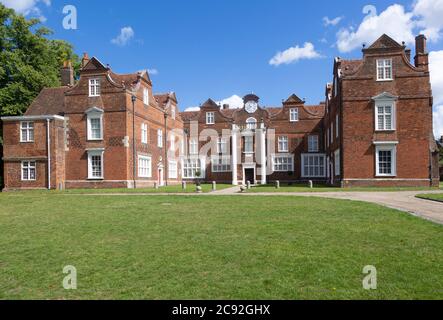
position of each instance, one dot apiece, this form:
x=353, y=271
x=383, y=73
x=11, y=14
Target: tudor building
x=110, y=130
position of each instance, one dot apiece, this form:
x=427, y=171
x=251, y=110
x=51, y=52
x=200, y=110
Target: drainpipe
x=166, y=173
x=48, y=138
x=134, y=147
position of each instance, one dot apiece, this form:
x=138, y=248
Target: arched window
x=251, y=123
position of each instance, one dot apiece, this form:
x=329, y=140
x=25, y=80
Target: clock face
x=251, y=106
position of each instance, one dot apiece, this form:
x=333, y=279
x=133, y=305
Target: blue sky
x=220, y=48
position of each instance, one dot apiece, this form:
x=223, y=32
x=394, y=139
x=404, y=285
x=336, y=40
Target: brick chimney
x=421, y=54
x=85, y=59
x=67, y=74
x=225, y=106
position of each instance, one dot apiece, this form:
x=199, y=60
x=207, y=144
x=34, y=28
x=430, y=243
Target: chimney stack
x=421, y=54
x=225, y=106
x=67, y=74
x=85, y=59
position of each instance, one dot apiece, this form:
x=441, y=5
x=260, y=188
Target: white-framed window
x=222, y=145
x=193, y=146
x=385, y=116
x=146, y=96
x=95, y=164
x=94, y=87
x=251, y=123
x=26, y=131
x=172, y=170
x=160, y=138
x=95, y=126
x=210, y=118
x=29, y=171
x=293, y=115
x=172, y=144
x=386, y=160
x=283, y=163
x=313, y=143
x=283, y=144
x=249, y=144
x=144, y=167
x=144, y=133
x=384, y=70
x=337, y=125
x=313, y=165
x=221, y=164
x=337, y=162
x=191, y=167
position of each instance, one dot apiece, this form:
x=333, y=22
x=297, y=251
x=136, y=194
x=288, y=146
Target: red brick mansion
x=111, y=131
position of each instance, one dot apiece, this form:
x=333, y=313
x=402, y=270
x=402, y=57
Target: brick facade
x=374, y=129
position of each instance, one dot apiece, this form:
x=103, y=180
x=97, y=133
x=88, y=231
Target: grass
x=325, y=188
x=435, y=197
x=175, y=247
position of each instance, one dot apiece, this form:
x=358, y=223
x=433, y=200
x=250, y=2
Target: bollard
x=214, y=186
x=277, y=184
x=311, y=184
x=198, y=189
x=242, y=189
x=248, y=185
x=156, y=185
x=184, y=185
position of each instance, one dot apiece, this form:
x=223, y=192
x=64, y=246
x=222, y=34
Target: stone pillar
x=263, y=155
x=234, y=158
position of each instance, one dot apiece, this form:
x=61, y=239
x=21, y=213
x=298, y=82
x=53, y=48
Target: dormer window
x=210, y=118
x=293, y=115
x=384, y=70
x=146, y=96
x=94, y=124
x=94, y=87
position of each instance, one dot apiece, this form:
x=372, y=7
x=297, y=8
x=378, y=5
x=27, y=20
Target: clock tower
x=251, y=103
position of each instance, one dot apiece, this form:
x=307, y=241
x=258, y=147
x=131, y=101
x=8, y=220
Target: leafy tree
x=29, y=61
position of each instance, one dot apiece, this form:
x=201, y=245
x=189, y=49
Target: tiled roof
x=189, y=115
x=128, y=79
x=162, y=99
x=50, y=101
x=317, y=110
x=349, y=67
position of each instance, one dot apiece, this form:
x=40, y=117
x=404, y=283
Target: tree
x=29, y=61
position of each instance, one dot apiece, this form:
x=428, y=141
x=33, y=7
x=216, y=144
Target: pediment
x=385, y=96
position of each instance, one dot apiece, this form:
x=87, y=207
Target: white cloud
x=295, y=54
x=126, y=34
x=429, y=13
x=331, y=22
x=394, y=21
x=436, y=65
x=27, y=7
x=425, y=17
x=153, y=71
x=438, y=121
x=235, y=102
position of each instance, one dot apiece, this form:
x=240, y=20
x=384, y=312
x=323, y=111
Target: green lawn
x=435, y=197
x=325, y=188
x=172, y=247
